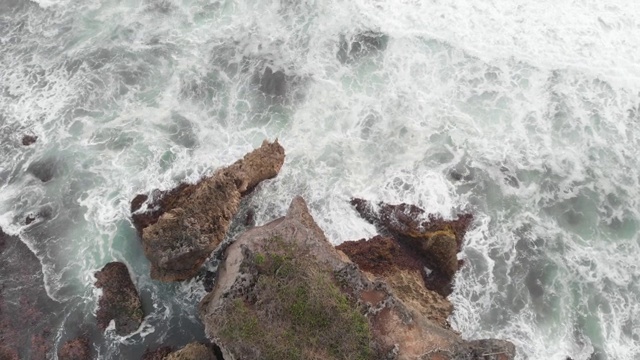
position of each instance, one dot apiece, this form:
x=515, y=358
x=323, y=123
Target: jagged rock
x=119, y=301
x=76, y=349
x=401, y=269
x=193, y=351
x=29, y=140
x=434, y=242
x=24, y=303
x=283, y=291
x=361, y=45
x=157, y=354
x=186, y=224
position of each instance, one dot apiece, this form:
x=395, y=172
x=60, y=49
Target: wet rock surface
x=433, y=241
x=76, y=349
x=283, y=291
x=184, y=225
x=24, y=303
x=119, y=301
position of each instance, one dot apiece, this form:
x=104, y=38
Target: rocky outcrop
x=76, y=349
x=119, y=300
x=403, y=271
x=157, y=354
x=24, y=303
x=186, y=224
x=193, y=351
x=433, y=242
x=283, y=291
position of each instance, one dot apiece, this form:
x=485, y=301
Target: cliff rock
x=193, y=351
x=284, y=292
x=187, y=223
x=119, y=301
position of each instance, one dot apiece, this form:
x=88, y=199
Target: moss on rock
x=300, y=314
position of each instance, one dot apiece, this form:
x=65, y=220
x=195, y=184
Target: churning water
x=525, y=113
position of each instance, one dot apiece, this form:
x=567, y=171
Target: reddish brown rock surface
x=157, y=354
x=193, y=351
x=432, y=242
x=76, y=349
x=119, y=301
x=187, y=223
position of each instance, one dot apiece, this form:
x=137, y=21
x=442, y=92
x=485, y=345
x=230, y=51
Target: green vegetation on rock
x=295, y=310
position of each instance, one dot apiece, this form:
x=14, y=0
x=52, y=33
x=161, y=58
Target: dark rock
x=250, y=219
x=157, y=354
x=76, y=349
x=119, y=301
x=29, y=140
x=435, y=241
x=186, y=224
x=29, y=219
x=284, y=292
x=361, y=45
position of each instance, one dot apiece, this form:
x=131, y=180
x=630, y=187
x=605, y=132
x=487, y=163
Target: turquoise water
x=526, y=114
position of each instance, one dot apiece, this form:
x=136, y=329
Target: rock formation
x=76, y=349
x=193, y=351
x=119, y=301
x=433, y=242
x=283, y=291
x=186, y=224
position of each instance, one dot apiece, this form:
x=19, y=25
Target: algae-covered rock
x=119, y=301
x=284, y=292
x=186, y=224
x=193, y=351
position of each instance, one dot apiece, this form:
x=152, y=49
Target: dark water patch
x=163, y=7
x=28, y=317
x=181, y=131
x=352, y=48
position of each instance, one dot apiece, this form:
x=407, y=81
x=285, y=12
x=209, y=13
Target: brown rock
x=193, y=351
x=283, y=291
x=76, y=349
x=434, y=242
x=189, y=222
x=157, y=354
x=119, y=301
x=29, y=140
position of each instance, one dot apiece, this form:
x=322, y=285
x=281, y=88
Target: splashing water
x=525, y=113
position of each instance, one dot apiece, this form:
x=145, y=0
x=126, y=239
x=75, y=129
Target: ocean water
x=525, y=113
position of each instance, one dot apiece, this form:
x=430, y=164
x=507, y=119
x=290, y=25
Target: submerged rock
x=76, y=349
x=119, y=301
x=24, y=303
x=361, y=45
x=186, y=224
x=434, y=242
x=284, y=292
